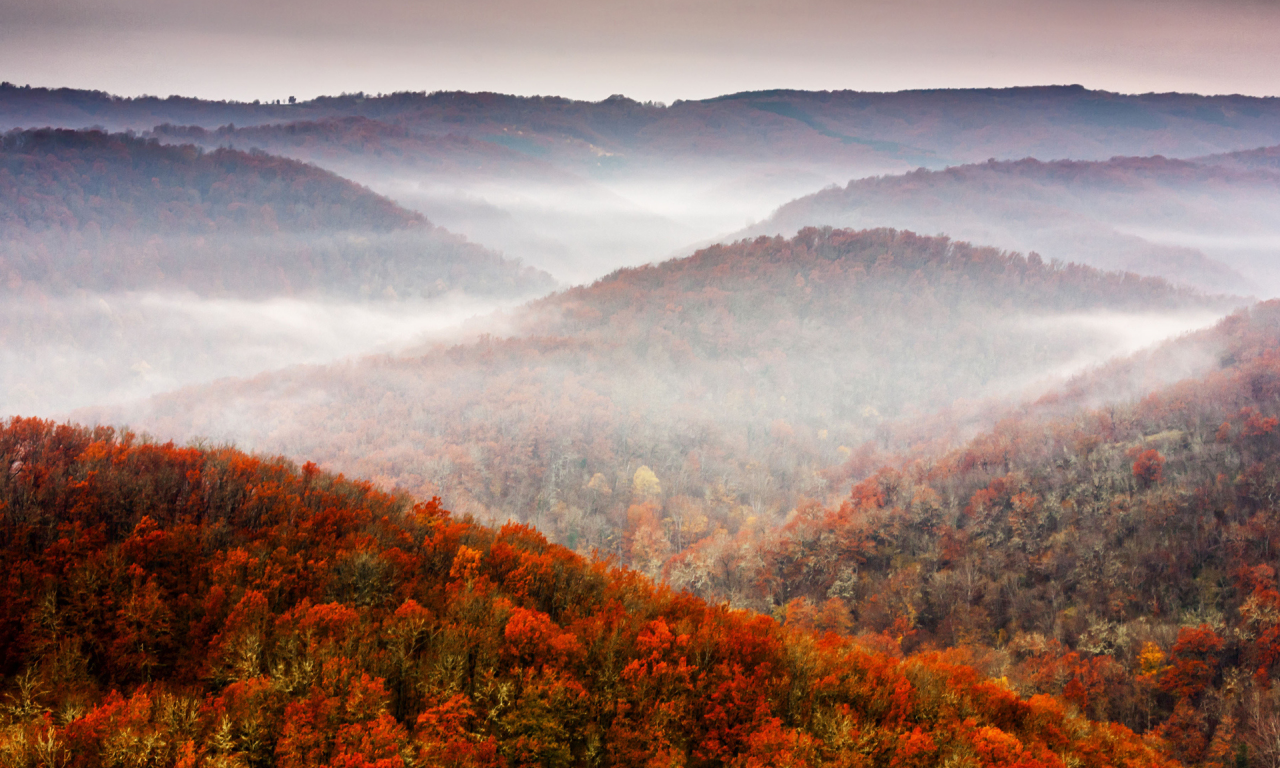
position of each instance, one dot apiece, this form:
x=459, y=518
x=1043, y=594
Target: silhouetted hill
x=913, y=127
x=110, y=212
x=582, y=188
x=72, y=180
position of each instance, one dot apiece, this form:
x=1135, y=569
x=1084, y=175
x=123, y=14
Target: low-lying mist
x=581, y=226
x=59, y=354
x=1112, y=335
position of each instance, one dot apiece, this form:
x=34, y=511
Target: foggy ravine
x=63, y=353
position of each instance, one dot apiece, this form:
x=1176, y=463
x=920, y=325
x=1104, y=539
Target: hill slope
x=1122, y=556
x=1138, y=214
x=88, y=210
x=704, y=393
x=171, y=605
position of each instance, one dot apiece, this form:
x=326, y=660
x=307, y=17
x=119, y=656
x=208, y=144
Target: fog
x=59, y=354
x=580, y=229
x=1112, y=335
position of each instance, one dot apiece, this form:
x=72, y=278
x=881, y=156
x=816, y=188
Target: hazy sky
x=647, y=49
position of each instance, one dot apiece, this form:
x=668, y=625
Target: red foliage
x=1148, y=467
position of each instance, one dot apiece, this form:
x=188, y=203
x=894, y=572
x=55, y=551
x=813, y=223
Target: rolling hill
x=129, y=267
x=1130, y=213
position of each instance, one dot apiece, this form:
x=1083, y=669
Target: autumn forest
x=783, y=428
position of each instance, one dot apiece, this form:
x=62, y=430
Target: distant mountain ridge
x=905, y=125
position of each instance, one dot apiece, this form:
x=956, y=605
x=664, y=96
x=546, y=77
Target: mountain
x=110, y=212
x=168, y=605
x=1122, y=556
x=1130, y=213
x=705, y=393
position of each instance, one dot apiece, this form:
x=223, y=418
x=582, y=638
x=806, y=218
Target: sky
x=659, y=50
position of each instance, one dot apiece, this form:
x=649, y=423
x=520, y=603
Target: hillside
x=702, y=394
x=1187, y=221
x=168, y=605
x=73, y=180
x=88, y=210
x=1123, y=557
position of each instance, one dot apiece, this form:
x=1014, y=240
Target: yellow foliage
x=646, y=484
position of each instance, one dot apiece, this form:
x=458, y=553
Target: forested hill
x=86, y=210
x=1178, y=219
x=76, y=180
x=1123, y=556
x=165, y=605
x=708, y=393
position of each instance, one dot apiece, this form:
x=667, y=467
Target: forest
x=1122, y=557
x=184, y=606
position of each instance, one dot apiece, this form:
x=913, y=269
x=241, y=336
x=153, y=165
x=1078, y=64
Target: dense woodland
x=706, y=395
x=180, y=606
x=1262, y=158
x=85, y=210
x=1124, y=557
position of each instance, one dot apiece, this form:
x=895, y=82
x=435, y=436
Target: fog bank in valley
x=62, y=353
